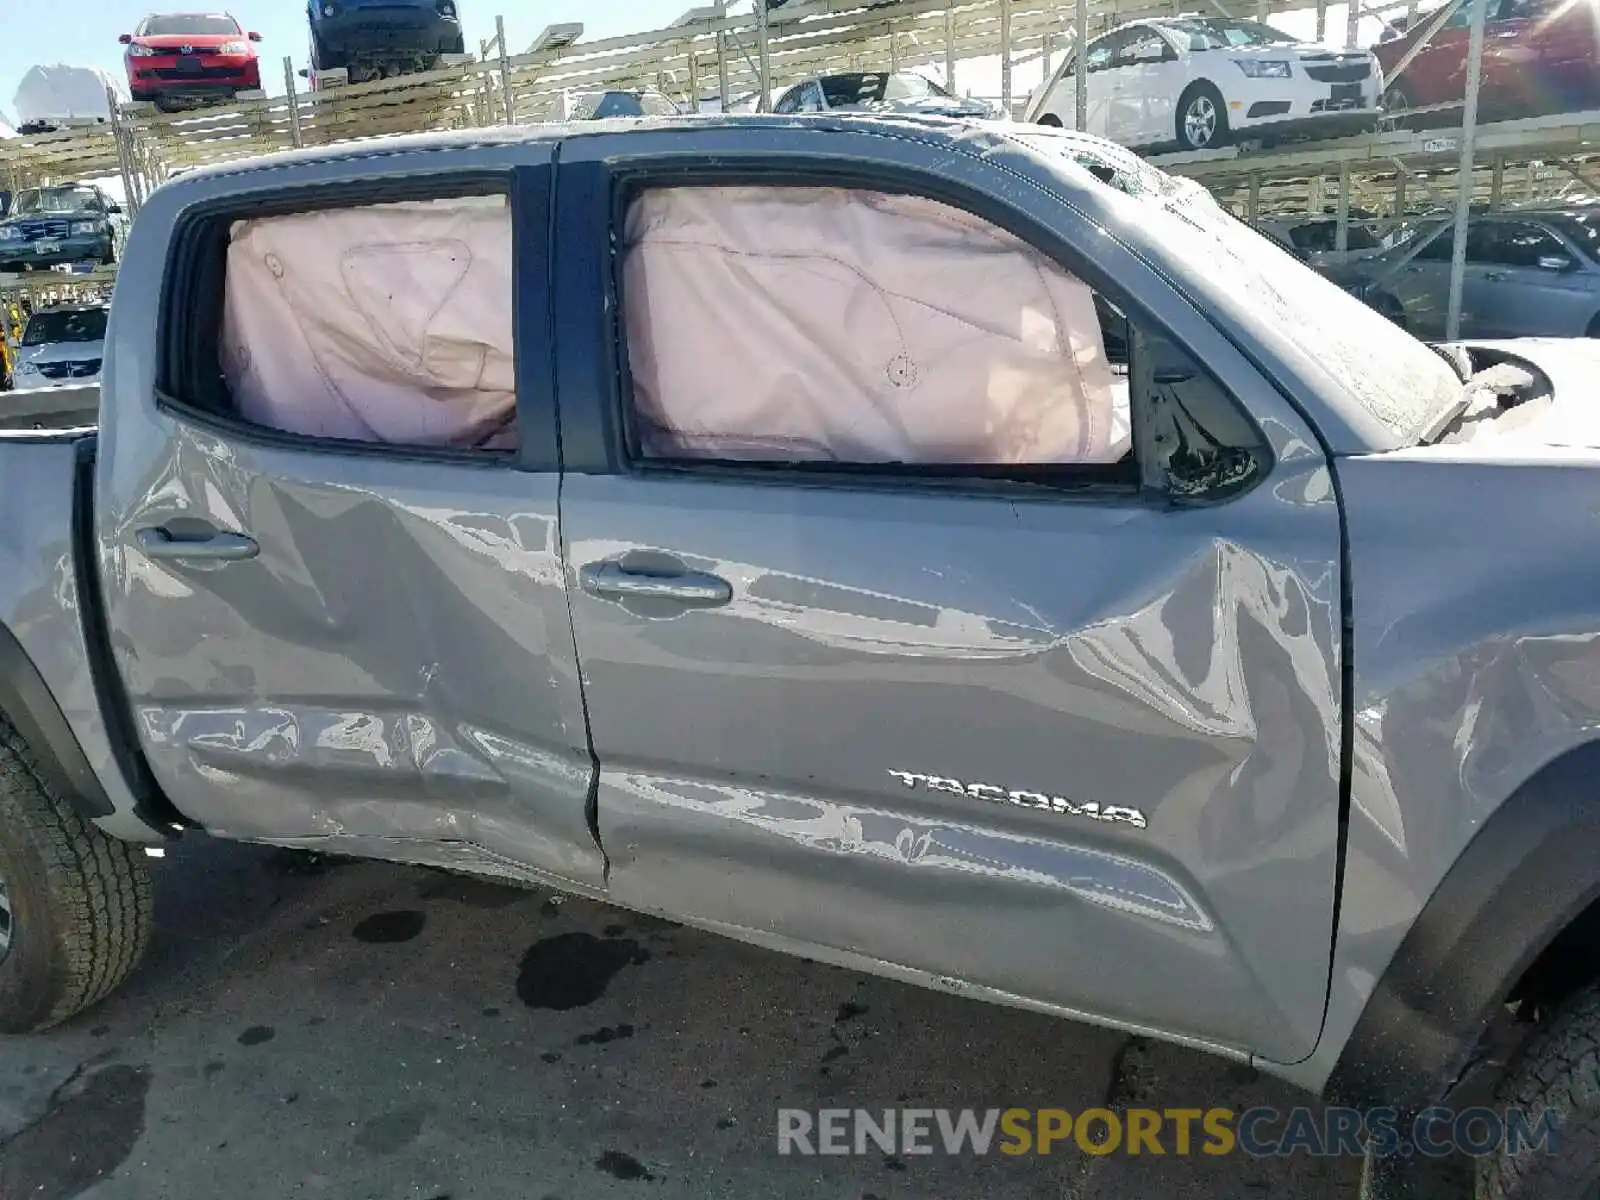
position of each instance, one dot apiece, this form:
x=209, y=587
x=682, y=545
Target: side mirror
x=303, y=73
x=126, y=39
x=253, y=36
x=1554, y=262
x=113, y=207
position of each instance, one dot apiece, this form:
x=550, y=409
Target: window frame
x=195, y=274
x=596, y=398
x=1505, y=229
x=1115, y=41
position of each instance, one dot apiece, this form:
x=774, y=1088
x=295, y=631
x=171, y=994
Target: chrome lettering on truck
x=1025, y=799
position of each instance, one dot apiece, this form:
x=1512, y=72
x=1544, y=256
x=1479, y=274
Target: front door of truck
x=326, y=514
x=1034, y=735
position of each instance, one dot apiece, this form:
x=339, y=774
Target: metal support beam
x=1341, y=225
x=505, y=72
x=1352, y=24
x=1496, y=182
x=1322, y=20
x=1005, y=55
x=293, y=97
x=764, y=48
x=1047, y=47
x=1081, y=115
x=1399, y=195
x=119, y=132
x=894, y=49
x=694, y=80
x=1469, y=138
x=1253, y=204
x=950, y=45
x=722, y=59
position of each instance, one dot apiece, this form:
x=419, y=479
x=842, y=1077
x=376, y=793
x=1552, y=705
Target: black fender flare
x=26, y=701
x=1530, y=870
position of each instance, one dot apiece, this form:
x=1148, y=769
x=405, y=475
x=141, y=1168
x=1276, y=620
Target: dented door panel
x=1088, y=757
x=397, y=661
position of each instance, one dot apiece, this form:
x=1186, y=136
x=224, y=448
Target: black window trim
x=592, y=198
x=527, y=190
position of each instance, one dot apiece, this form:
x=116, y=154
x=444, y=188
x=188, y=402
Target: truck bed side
x=53, y=685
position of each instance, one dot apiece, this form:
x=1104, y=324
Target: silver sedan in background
x=1529, y=273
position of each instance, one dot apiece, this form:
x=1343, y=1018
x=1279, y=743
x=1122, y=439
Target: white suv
x=1197, y=81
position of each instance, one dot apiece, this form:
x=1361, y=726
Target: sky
x=84, y=33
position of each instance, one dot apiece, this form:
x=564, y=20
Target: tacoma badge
x=1024, y=799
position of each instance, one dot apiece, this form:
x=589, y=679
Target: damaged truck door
x=326, y=520
x=977, y=682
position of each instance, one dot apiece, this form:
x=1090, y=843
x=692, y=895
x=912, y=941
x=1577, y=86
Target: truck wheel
x=75, y=905
x=1051, y=120
x=1556, y=1072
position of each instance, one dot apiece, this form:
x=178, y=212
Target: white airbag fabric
x=390, y=323
x=835, y=324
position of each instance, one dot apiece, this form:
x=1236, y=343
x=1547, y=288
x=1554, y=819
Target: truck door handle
x=157, y=542
x=691, y=589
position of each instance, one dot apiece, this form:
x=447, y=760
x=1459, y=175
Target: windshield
x=844, y=90
x=188, y=25
x=56, y=200
x=1396, y=379
x=1582, y=228
x=71, y=325
x=1221, y=34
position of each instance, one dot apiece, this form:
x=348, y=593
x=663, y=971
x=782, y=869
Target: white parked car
x=61, y=345
x=1198, y=81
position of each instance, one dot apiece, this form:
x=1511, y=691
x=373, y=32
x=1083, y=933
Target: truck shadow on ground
x=318, y=1027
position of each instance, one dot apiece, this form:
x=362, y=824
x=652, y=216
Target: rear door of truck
x=328, y=639
x=1037, y=734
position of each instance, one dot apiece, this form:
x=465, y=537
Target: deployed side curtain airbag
x=855, y=326
x=388, y=323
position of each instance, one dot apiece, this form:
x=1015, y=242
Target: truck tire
x=1557, y=1071
x=75, y=905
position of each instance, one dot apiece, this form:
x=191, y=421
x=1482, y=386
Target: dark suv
x=374, y=38
x=51, y=225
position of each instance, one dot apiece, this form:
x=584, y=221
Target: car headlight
x=1255, y=68
x=27, y=368
x=81, y=227
x=7, y=234
x=141, y=51
x=447, y=8
x=234, y=48
x=328, y=10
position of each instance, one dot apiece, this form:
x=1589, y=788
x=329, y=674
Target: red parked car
x=181, y=60
x=1539, y=56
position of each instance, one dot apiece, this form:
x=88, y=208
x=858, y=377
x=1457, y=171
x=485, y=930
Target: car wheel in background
x=1397, y=105
x=1051, y=120
x=1202, y=118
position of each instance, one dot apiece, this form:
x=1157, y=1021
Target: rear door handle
x=158, y=542
x=690, y=589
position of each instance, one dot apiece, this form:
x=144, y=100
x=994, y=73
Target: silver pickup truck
x=958, y=552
